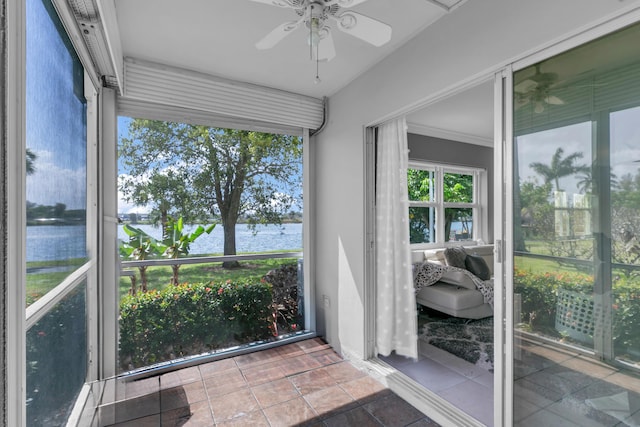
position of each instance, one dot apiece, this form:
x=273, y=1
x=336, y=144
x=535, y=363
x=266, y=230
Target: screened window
x=57, y=251
x=244, y=191
x=56, y=137
x=444, y=203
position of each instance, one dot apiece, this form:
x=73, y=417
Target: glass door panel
x=576, y=257
x=625, y=223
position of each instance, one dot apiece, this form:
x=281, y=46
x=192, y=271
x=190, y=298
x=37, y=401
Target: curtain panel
x=396, y=316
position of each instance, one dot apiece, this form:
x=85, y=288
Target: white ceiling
x=466, y=117
x=218, y=37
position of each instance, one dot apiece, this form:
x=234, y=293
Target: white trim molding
x=449, y=135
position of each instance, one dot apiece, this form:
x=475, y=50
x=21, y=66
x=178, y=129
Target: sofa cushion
x=417, y=257
x=478, y=266
x=451, y=296
x=455, y=256
x=458, y=278
x=435, y=255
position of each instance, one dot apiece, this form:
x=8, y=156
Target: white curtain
x=396, y=317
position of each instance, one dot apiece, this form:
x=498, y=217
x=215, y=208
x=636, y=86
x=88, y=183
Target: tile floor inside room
x=554, y=386
x=303, y=383
x=465, y=385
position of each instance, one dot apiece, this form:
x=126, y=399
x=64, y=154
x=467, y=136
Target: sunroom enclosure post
x=503, y=244
x=108, y=231
x=602, y=257
x=12, y=132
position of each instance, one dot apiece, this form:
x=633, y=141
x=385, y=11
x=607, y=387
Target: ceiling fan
x=535, y=89
x=316, y=15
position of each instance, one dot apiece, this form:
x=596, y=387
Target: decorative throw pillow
x=478, y=266
x=455, y=257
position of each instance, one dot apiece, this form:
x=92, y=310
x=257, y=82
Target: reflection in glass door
x=576, y=256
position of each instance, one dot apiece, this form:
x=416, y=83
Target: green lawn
x=39, y=283
x=540, y=266
x=159, y=277
x=42, y=276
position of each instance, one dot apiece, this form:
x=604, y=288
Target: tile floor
x=304, y=383
x=553, y=386
x=465, y=385
x=562, y=388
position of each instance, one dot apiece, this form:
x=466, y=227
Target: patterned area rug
x=471, y=340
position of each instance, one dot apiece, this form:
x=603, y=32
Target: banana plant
x=140, y=246
x=175, y=243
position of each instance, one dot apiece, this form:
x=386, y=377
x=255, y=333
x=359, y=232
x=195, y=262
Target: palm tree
x=585, y=184
x=559, y=167
x=175, y=243
x=31, y=159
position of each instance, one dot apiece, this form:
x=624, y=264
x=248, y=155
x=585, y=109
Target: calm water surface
x=57, y=242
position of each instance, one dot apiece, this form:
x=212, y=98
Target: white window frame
x=19, y=319
x=479, y=205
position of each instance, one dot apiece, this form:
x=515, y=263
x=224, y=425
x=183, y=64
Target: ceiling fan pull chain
x=317, y=79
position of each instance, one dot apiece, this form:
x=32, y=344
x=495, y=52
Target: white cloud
x=128, y=207
x=51, y=183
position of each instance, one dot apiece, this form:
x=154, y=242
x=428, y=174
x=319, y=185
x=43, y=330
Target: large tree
x=222, y=173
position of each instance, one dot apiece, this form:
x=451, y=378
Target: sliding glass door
x=576, y=236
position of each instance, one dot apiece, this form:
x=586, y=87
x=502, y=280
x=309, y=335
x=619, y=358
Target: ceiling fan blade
x=344, y=3
x=554, y=100
x=521, y=102
x=277, y=34
x=279, y=3
x=326, y=48
x=525, y=86
x=368, y=29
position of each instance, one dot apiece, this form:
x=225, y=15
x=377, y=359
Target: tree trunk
x=164, y=220
x=143, y=278
x=174, y=278
x=230, y=243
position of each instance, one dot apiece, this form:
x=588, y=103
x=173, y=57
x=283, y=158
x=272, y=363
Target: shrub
x=626, y=309
x=56, y=360
x=190, y=319
x=284, y=281
x=539, y=296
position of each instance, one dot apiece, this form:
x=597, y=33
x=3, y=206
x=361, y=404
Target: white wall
x=477, y=38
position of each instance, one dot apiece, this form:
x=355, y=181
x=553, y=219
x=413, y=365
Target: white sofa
x=455, y=294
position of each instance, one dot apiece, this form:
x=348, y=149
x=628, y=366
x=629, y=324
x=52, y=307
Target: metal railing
x=208, y=259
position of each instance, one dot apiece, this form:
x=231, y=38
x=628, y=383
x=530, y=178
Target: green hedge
x=190, y=319
x=539, y=296
x=626, y=308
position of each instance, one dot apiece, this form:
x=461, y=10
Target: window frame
x=18, y=317
x=479, y=205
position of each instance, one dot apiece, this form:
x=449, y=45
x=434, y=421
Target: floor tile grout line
x=206, y=392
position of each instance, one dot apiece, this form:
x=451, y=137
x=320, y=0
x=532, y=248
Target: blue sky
x=625, y=147
x=55, y=115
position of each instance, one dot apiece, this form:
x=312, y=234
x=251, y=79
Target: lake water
x=55, y=242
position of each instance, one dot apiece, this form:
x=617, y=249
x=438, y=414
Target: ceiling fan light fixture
x=314, y=32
